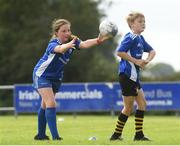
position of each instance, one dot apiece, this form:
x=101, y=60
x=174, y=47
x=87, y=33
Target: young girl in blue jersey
x=48, y=73
x=131, y=50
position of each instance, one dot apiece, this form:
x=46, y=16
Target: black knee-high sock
x=139, y=116
x=120, y=124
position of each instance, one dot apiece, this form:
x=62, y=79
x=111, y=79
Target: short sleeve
x=125, y=45
x=51, y=47
x=147, y=47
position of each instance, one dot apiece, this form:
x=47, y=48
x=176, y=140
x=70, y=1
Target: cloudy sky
x=162, y=25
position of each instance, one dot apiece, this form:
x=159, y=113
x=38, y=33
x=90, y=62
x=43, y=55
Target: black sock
x=120, y=124
x=139, y=116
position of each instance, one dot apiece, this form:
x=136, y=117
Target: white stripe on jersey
x=134, y=36
x=133, y=69
x=63, y=60
x=44, y=65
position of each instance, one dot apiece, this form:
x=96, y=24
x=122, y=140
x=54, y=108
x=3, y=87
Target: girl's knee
x=51, y=103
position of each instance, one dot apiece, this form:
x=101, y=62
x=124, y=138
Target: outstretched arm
x=93, y=42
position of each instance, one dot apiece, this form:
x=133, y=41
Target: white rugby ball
x=108, y=28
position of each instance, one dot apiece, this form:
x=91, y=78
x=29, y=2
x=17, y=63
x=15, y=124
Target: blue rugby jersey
x=51, y=64
x=134, y=45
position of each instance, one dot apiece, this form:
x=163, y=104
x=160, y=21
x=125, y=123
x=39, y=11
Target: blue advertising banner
x=159, y=96
x=162, y=96
x=71, y=97
x=83, y=97
x=26, y=99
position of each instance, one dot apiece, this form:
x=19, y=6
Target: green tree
x=160, y=72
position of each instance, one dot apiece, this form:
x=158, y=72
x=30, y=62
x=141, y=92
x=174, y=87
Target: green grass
x=163, y=130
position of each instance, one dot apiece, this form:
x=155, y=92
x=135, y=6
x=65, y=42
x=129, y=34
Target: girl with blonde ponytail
x=48, y=73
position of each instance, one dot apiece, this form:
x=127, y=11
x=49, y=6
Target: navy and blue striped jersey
x=51, y=64
x=134, y=45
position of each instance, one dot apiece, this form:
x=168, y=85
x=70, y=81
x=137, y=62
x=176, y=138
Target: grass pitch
x=163, y=130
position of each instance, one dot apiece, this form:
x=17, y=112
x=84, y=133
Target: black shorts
x=128, y=86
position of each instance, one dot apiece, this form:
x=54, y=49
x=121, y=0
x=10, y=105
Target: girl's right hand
x=71, y=44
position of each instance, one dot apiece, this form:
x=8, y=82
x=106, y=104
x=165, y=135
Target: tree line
x=25, y=29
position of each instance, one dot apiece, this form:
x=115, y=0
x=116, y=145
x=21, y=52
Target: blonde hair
x=56, y=24
x=132, y=17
